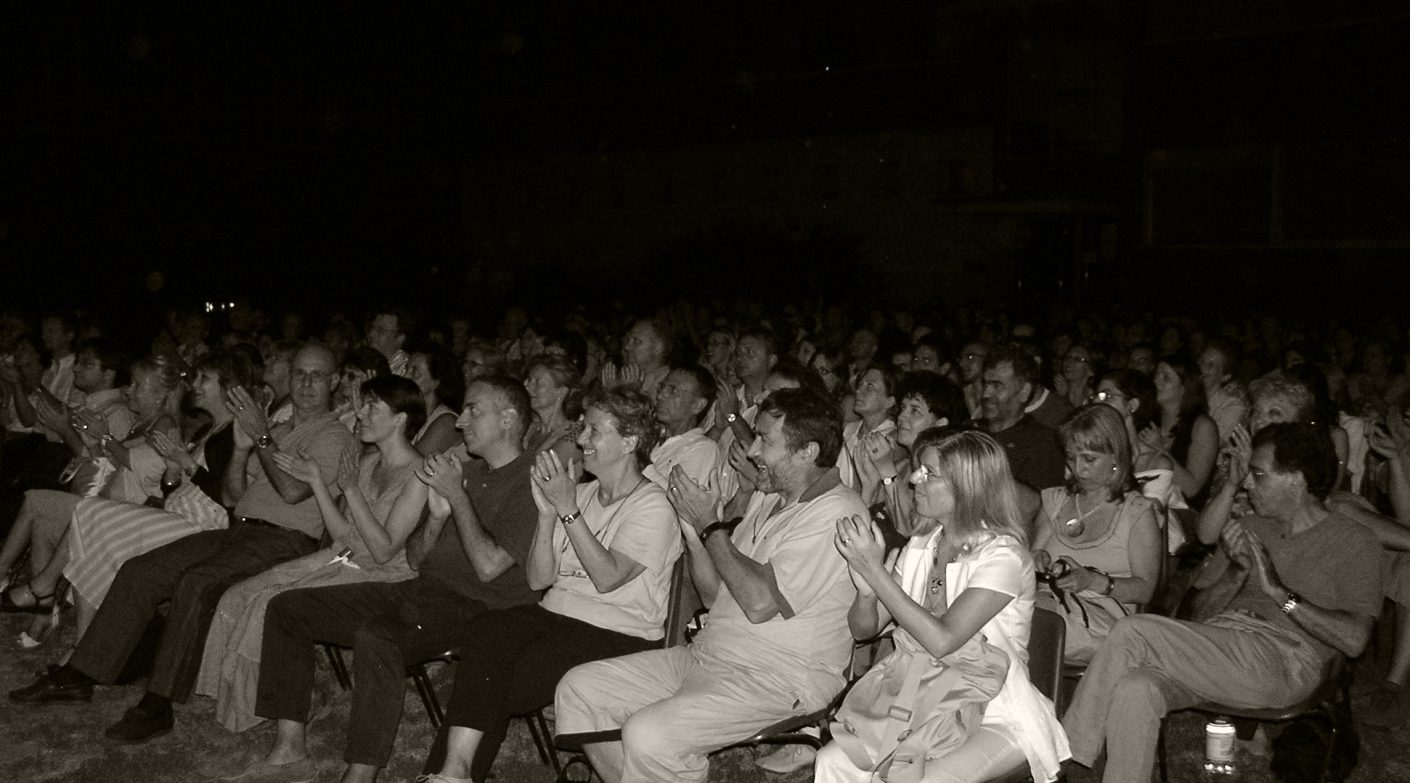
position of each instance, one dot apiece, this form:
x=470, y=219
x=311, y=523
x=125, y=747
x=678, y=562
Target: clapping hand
x=860, y=542
x=746, y=469
x=441, y=472
x=1237, y=450
x=1391, y=438
x=555, y=480
x=695, y=504
x=172, y=452
x=248, y=412
x=300, y=467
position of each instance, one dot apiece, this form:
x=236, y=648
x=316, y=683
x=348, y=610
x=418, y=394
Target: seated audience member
x=435, y=373
x=927, y=400
x=100, y=374
x=718, y=356
x=277, y=363
x=861, y=355
x=960, y=594
x=1009, y=377
x=555, y=397
x=477, y=563
x=386, y=333
x=361, y=364
x=105, y=533
x=1132, y=394
x=684, y=398
x=1046, y=406
x=827, y=363
x=1097, y=539
x=755, y=355
x=1187, y=434
x=604, y=550
x=1075, y=378
x=129, y=471
x=1390, y=705
x=1224, y=397
x=276, y=519
x=380, y=505
x=1141, y=358
x=928, y=355
x=1377, y=388
x=481, y=359
x=875, y=404
x=57, y=333
x=970, y=377
x=1288, y=591
x=646, y=356
x=776, y=644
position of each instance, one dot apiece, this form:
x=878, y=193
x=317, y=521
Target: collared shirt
x=692, y=450
x=321, y=439
x=807, y=644
x=504, y=506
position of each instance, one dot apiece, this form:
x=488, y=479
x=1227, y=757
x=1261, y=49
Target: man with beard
x=778, y=591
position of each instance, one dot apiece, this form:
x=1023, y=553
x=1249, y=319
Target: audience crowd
x=828, y=487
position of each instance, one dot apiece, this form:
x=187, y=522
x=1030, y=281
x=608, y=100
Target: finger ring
x=239, y=407
x=673, y=487
x=846, y=540
x=430, y=471
x=83, y=426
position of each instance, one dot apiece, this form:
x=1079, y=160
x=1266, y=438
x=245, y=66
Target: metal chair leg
x=340, y=669
x=427, y=691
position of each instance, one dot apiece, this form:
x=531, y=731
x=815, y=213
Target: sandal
x=39, y=604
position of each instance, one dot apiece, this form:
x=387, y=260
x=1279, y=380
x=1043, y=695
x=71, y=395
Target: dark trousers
x=510, y=663
x=388, y=626
x=193, y=572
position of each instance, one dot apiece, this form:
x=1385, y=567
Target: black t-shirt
x=1034, y=453
x=505, y=507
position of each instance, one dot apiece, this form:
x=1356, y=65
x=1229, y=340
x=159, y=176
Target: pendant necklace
x=1078, y=525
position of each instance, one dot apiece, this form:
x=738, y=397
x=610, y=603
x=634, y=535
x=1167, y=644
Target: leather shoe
x=45, y=691
x=140, y=724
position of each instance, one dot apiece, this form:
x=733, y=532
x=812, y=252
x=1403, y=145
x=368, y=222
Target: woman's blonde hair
x=1098, y=427
x=977, y=470
x=169, y=381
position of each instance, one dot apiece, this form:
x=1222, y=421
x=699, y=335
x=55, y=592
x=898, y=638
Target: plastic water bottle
x=1219, y=749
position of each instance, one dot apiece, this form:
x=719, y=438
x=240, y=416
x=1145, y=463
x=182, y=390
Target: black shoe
x=45, y=691
x=140, y=724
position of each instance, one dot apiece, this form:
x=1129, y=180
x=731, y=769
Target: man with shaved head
x=276, y=519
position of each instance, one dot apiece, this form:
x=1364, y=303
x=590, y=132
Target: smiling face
x=603, y=447
x=872, y=397
x=934, y=494
x=780, y=468
x=145, y=395
x=915, y=417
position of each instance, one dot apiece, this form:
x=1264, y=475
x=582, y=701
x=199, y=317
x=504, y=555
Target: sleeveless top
x=1110, y=552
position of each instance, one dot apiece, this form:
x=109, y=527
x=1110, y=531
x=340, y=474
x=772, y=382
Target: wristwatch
x=887, y=481
x=568, y=519
x=731, y=417
x=264, y=441
x=1290, y=603
x=727, y=526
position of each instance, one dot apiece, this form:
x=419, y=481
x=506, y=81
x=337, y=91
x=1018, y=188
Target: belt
x=257, y=522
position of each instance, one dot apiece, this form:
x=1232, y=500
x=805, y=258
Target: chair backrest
x=1045, y=644
x=683, y=603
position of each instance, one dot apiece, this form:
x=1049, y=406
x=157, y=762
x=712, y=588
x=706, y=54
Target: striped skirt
x=107, y=533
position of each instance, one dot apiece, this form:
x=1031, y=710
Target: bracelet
x=887, y=481
x=169, y=487
x=1110, y=583
x=727, y=526
x=1291, y=602
x=568, y=519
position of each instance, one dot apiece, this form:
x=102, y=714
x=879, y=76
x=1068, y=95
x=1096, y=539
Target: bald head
x=313, y=374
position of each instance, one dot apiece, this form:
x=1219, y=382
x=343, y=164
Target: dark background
x=1178, y=153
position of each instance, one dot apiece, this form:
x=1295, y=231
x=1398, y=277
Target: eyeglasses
x=1107, y=396
x=971, y=356
x=923, y=474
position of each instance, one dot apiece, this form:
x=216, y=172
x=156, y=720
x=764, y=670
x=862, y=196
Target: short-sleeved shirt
x=1335, y=565
x=321, y=439
x=1033, y=452
x=641, y=526
x=505, y=507
x=692, y=450
x=808, y=644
